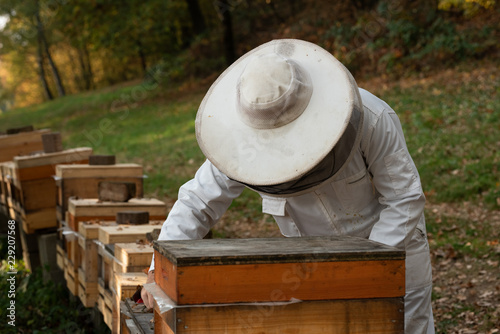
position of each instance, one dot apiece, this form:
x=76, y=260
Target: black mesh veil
x=328, y=167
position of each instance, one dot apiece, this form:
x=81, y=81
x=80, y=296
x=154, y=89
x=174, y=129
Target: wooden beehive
x=353, y=316
x=71, y=277
x=131, y=262
x=32, y=188
x=343, y=282
x=105, y=304
x=84, y=253
x=94, y=259
x=92, y=209
x=60, y=256
x=87, y=271
x=126, y=284
x=132, y=257
x=113, y=285
x=23, y=143
x=82, y=181
x=108, y=237
x=126, y=233
x=12, y=191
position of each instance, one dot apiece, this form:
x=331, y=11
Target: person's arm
x=201, y=203
x=395, y=177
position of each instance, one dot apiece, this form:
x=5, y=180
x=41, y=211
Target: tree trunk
x=196, y=16
x=142, y=57
x=224, y=11
x=83, y=77
x=78, y=78
x=88, y=67
x=85, y=68
x=41, y=36
x=41, y=72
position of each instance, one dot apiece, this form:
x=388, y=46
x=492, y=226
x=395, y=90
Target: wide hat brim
x=273, y=156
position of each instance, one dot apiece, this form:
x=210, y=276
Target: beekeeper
x=328, y=158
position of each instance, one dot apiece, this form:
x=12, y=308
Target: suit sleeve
x=201, y=203
x=395, y=177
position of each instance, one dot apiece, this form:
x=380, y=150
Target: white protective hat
x=277, y=113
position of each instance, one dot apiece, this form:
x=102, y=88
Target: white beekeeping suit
x=326, y=157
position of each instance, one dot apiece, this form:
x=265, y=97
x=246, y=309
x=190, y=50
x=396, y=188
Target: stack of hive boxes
x=124, y=257
x=12, y=145
x=29, y=189
x=81, y=182
x=281, y=285
x=105, y=220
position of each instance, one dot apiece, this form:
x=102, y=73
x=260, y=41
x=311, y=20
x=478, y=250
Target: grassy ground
x=451, y=121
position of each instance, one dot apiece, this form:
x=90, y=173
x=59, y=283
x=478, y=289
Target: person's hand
x=147, y=298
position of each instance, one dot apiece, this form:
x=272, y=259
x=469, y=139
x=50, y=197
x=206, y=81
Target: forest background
x=126, y=78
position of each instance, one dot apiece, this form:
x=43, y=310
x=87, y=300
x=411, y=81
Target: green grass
x=452, y=134
x=464, y=237
x=41, y=306
x=451, y=130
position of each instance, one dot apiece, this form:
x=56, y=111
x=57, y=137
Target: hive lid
x=274, y=250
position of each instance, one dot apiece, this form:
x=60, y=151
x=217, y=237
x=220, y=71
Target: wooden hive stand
x=341, y=285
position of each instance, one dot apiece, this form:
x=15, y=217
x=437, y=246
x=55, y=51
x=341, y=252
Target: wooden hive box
x=71, y=277
x=12, y=191
x=116, y=234
x=95, y=259
x=92, y=209
x=346, y=284
x=109, y=236
x=61, y=255
x=34, y=196
x=82, y=181
x=105, y=272
x=87, y=270
x=23, y=143
x=86, y=247
x=126, y=284
x=105, y=305
x=107, y=295
x=132, y=257
x=85, y=252
x=131, y=262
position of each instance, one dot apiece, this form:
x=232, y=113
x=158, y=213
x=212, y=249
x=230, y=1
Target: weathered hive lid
x=273, y=250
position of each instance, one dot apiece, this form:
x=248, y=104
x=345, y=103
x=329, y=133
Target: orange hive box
x=342, y=283
x=31, y=186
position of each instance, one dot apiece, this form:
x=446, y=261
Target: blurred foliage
x=391, y=40
x=101, y=43
x=468, y=7
x=40, y=306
